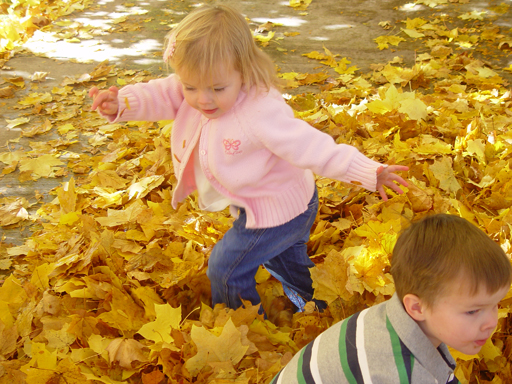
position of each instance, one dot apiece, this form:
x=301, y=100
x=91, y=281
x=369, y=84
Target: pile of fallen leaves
x=111, y=286
x=19, y=19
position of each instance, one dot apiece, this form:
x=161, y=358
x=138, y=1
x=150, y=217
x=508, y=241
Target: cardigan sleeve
x=272, y=122
x=155, y=100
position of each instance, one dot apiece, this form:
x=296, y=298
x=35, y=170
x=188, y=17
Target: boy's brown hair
x=214, y=36
x=438, y=249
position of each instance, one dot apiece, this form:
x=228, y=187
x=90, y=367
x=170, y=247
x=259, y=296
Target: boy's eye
x=472, y=312
x=218, y=89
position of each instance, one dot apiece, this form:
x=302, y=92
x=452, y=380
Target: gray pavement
x=130, y=35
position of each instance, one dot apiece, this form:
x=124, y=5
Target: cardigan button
x=203, y=152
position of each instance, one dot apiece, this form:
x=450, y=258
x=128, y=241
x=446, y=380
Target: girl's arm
x=156, y=100
x=273, y=124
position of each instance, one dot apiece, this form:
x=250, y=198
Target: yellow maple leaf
x=443, y=172
x=300, y=4
x=40, y=275
x=431, y=3
x=368, y=267
x=13, y=211
x=159, y=330
x=8, y=336
x=415, y=109
x=37, y=129
x=412, y=33
x=40, y=358
x=473, y=15
x=149, y=298
x=315, y=55
x=144, y=186
x=219, y=345
x=59, y=339
x=125, y=352
x=415, y=23
x=9, y=157
x=264, y=40
x=6, y=317
x=15, y=122
x=429, y=145
x=125, y=314
x=99, y=344
x=393, y=100
x=476, y=148
x=67, y=196
x=127, y=215
x=12, y=293
x=37, y=98
x=330, y=278
x=384, y=41
x=42, y=166
x=420, y=199
x=341, y=67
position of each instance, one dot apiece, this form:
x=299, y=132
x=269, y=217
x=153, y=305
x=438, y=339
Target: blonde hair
x=214, y=36
x=439, y=249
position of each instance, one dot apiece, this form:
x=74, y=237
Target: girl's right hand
x=105, y=101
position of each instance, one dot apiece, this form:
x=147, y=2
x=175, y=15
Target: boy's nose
x=491, y=320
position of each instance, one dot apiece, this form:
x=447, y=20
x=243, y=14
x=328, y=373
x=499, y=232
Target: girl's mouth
x=210, y=111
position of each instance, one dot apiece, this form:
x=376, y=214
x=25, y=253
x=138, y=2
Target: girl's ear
x=414, y=306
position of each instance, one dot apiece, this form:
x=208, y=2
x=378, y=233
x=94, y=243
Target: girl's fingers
x=400, y=180
x=395, y=188
x=93, y=91
x=102, y=101
x=397, y=168
x=383, y=194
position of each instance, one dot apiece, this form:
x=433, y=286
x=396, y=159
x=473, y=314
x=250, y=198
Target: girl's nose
x=204, y=97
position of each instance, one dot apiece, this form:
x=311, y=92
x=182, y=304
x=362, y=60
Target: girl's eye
x=218, y=89
x=189, y=88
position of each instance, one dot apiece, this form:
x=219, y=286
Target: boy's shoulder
x=382, y=342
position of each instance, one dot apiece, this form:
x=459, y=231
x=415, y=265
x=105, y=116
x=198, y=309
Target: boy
x=449, y=278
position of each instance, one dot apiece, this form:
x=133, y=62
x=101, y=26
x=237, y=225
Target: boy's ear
x=414, y=307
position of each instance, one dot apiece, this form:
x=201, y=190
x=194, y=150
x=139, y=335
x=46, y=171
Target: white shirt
x=209, y=198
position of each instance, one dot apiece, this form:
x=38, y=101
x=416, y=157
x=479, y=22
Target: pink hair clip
x=171, y=47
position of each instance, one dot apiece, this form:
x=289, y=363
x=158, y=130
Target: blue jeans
x=235, y=259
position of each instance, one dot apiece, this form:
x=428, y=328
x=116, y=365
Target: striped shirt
x=379, y=345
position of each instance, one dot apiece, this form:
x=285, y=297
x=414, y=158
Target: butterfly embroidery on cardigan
x=231, y=146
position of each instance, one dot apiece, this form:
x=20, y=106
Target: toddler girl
x=236, y=141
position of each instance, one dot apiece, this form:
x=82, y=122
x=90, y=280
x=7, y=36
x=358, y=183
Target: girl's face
x=215, y=97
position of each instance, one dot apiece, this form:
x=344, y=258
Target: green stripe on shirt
x=300, y=363
x=397, y=353
x=343, y=354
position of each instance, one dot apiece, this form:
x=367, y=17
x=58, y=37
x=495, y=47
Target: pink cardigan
x=257, y=154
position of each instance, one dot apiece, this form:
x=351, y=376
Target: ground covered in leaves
x=111, y=286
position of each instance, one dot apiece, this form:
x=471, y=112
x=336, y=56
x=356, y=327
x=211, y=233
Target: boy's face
x=461, y=321
x=216, y=97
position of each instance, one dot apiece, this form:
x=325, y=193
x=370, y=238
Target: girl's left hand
x=386, y=177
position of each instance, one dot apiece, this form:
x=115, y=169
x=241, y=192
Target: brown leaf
x=154, y=377
x=125, y=352
x=7, y=92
